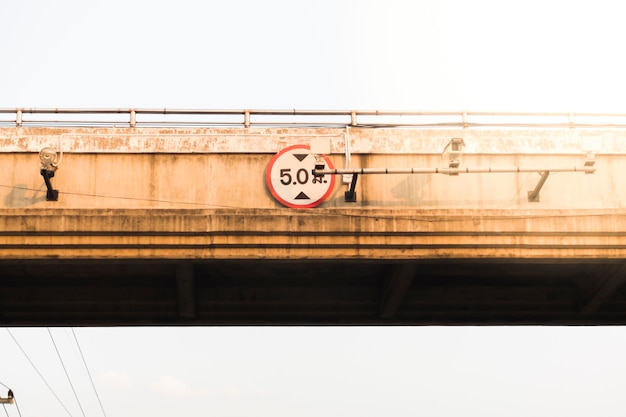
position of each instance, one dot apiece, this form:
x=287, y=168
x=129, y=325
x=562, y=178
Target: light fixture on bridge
x=590, y=162
x=50, y=162
x=453, y=152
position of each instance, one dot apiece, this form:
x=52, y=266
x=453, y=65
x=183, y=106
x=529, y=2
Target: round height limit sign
x=289, y=177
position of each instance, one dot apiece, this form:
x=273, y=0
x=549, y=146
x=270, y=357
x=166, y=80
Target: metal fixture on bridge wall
x=50, y=162
x=589, y=168
x=452, y=153
x=9, y=399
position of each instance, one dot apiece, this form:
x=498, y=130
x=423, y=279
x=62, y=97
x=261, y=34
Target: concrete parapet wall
x=237, y=180
x=225, y=168
x=271, y=140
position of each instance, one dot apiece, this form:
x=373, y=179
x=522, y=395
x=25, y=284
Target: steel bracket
x=350, y=195
x=51, y=194
x=533, y=196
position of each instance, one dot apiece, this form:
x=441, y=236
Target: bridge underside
x=311, y=292
x=311, y=267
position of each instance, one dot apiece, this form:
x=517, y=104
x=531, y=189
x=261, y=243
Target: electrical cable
x=5, y=409
x=426, y=218
x=123, y=198
x=66, y=374
x=88, y=373
x=39, y=373
x=17, y=407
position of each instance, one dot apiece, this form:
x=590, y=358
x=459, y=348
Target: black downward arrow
x=300, y=156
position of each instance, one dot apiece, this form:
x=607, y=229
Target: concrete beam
x=312, y=234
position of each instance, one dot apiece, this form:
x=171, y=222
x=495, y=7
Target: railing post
x=18, y=118
x=133, y=118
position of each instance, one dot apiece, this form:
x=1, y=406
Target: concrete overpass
x=177, y=218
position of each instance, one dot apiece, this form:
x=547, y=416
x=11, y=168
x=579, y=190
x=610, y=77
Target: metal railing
x=134, y=118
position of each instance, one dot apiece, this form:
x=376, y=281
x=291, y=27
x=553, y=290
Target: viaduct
x=189, y=217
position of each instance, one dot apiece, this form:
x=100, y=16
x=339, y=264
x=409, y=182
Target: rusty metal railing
x=134, y=118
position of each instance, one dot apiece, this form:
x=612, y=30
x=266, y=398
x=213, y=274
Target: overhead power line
x=66, y=374
x=88, y=373
x=17, y=407
x=4, y=385
x=38, y=373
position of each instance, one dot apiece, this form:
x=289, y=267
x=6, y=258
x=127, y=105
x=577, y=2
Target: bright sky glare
x=533, y=55
x=455, y=55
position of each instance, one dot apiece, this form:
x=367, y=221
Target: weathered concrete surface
x=271, y=140
x=177, y=226
x=237, y=181
x=312, y=234
x=212, y=168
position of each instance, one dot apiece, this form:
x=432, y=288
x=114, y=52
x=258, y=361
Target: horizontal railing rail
x=132, y=118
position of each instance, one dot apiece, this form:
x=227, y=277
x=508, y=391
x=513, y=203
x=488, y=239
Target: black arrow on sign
x=300, y=156
x=302, y=196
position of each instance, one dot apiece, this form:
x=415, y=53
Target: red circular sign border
x=268, y=179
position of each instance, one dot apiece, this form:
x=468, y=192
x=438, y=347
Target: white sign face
x=289, y=177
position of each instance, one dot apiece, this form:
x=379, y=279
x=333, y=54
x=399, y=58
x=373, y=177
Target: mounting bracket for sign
x=350, y=195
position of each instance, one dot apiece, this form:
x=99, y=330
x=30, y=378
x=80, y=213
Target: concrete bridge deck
x=286, y=267
x=177, y=226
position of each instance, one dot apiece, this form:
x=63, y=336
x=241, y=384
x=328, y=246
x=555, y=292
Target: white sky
x=367, y=55
x=452, y=55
